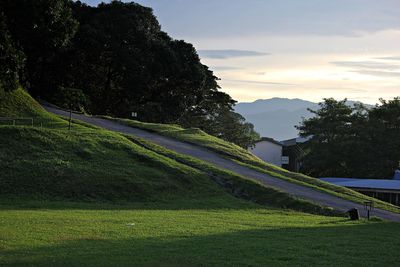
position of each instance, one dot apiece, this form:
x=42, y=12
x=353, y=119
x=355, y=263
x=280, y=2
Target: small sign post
x=369, y=205
x=134, y=114
x=285, y=160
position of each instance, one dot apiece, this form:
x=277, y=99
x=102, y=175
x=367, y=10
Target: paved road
x=212, y=157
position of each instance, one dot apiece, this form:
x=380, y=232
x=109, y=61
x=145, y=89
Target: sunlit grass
x=170, y=236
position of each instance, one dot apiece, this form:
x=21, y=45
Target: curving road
x=212, y=157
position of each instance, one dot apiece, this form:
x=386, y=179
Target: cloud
x=229, y=53
x=372, y=68
x=259, y=82
x=224, y=68
x=389, y=58
x=366, y=65
x=347, y=89
x=390, y=74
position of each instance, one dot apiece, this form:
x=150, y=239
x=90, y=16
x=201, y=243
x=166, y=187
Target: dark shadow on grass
x=335, y=245
x=211, y=203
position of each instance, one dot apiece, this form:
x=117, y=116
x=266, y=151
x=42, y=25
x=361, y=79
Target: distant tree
x=232, y=127
x=353, y=141
x=214, y=114
x=384, y=136
x=329, y=145
x=71, y=99
x=11, y=59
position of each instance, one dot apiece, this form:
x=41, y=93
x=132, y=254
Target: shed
x=269, y=150
x=384, y=189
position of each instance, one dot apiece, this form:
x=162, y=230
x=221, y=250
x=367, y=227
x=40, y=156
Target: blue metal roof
x=396, y=175
x=364, y=183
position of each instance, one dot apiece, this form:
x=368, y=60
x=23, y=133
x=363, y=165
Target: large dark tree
x=40, y=28
x=11, y=59
x=122, y=62
x=125, y=63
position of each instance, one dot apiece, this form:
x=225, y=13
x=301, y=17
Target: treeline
x=117, y=57
x=353, y=141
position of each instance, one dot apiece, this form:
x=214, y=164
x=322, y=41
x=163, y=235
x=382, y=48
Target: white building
x=269, y=150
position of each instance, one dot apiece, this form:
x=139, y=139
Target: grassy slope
x=93, y=164
x=243, y=157
x=76, y=165
x=88, y=163
x=179, y=217
x=238, y=185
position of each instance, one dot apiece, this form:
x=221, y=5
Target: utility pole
x=70, y=119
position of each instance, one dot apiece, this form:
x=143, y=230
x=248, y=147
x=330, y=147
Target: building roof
x=271, y=140
x=396, y=175
x=364, y=183
x=294, y=141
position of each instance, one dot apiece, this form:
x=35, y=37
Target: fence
x=33, y=122
x=16, y=121
x=45, y=123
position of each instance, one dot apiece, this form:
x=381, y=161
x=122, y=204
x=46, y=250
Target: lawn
x=104, y=235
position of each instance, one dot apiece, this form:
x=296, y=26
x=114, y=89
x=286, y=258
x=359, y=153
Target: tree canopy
x=122, y=61
x=11, y=59
x=353, y=141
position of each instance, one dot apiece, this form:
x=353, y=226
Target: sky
x=309, y=49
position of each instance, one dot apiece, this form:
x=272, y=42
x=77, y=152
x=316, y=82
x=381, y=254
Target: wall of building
x=268, y=152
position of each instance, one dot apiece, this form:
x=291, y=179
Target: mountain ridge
x=277, y=117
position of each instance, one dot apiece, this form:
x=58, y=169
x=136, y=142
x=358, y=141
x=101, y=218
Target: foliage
x=353, y=141
x=383, y=129
x=11, y=59
x=123, y=62
x=222, y=123
x=41, y=29
x=70, y=98
x=159, y=78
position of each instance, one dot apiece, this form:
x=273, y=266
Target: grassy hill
x=93, y=197
x=81, y=157
x=48, y=162
x=87, y=163
x=243, y=157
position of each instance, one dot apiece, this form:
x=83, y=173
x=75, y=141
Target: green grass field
x=98, y=198
x=169, y=235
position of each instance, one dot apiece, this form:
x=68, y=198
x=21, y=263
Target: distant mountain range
x=276, y=117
